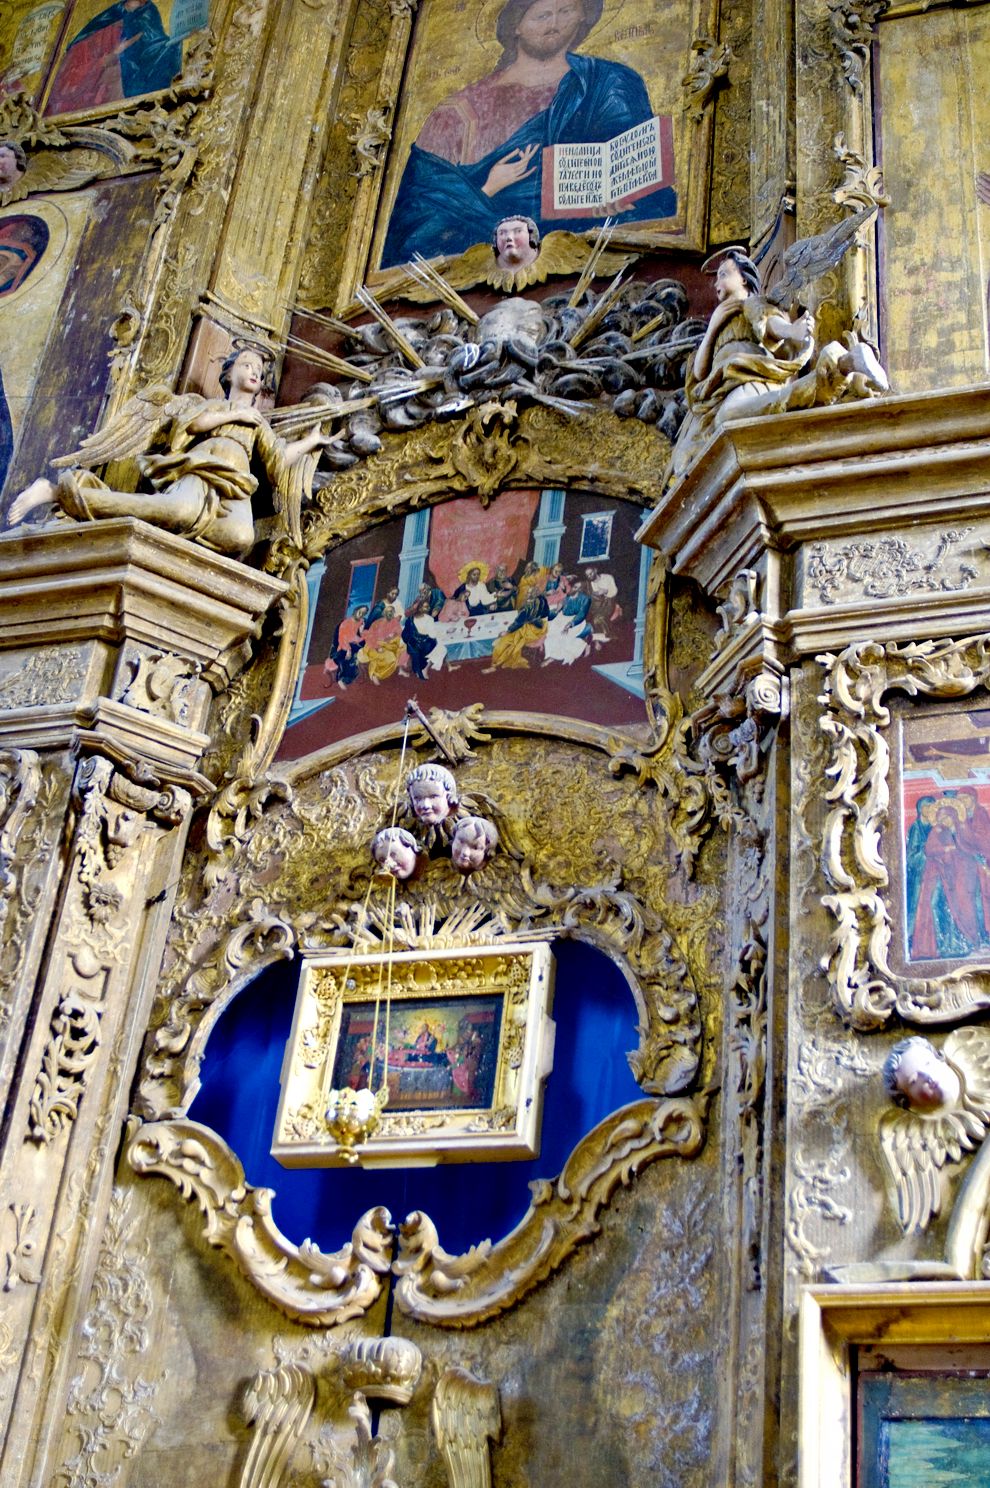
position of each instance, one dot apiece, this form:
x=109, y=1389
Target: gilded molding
x=300, y=1280
x=466, y=1416
x=865, y=992
x=463, y=1291
x=495, y=446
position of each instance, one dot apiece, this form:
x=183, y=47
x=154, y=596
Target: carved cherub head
x=474, y=842
x=432, y=793
x=396, y=852
x=13, y=164
x=515, y=242
x=917, y=1076
x=942, y=1109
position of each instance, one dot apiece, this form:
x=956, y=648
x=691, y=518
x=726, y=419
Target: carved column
x=103, y=728
x=864, y=527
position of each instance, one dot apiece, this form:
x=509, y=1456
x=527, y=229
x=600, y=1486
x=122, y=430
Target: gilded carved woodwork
x=886, y=567
x=463, y=1291
x=304, y=1282
x=942, y=1110
x=708, y=69
x=277, y=1404
x=112, y=1399
x=493, y=447
x=853, y=25
x=862, y=183
x=369, y=1462
x=663, y=951
x=507, y=1124
x=19, y=1257
x=111, y=818
x=382, y=1368
x=865, y=992
x=465, y=1415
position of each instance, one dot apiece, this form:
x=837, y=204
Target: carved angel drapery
x=202, y=479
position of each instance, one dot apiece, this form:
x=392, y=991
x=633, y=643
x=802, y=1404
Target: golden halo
x=710, y=267
x=482, y=568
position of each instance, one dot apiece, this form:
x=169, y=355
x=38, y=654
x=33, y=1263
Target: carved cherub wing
x=560, y=253
x=809, y=258
x=466, y=1416
x=969, y=1050
x=133, y=430
x=916, y=1148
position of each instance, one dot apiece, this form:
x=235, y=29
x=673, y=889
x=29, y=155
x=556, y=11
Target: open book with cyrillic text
x=578, y=179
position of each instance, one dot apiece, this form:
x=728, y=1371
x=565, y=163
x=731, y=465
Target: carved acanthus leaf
x=708, y=68
x=369, y=136
x=300, y=1280
x=463, y=1291
x=862, y=183
x=852, y=24
x=72, y=1046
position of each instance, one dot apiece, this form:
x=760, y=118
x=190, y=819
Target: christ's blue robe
x=441, y=209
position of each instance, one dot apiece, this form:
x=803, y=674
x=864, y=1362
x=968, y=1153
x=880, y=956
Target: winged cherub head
x=917, y=1076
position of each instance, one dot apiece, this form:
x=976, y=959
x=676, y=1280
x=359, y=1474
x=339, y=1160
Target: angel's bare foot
x=40, y=492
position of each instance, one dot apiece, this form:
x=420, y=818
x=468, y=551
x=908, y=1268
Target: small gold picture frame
x=461, y=1039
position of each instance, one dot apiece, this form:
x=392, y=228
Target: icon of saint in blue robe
x=441, y=207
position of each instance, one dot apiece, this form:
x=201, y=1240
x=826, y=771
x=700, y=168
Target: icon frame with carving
x=469, y=1043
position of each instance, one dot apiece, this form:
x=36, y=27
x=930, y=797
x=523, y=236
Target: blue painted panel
x=596, y=1025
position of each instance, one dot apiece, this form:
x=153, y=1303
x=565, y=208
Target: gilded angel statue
x=943, y=1109
x=758, y=353
x=215, y=449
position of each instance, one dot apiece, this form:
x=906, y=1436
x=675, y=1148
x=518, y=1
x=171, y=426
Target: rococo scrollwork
x=865, y=991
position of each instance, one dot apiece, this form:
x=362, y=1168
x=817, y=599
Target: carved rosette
x=865, y=992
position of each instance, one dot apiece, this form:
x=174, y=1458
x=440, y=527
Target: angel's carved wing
x=57, y=170
x=916, y=1148
x=134, y=429
x=809, y=258
x=969, y=1050
x=466, y=1416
